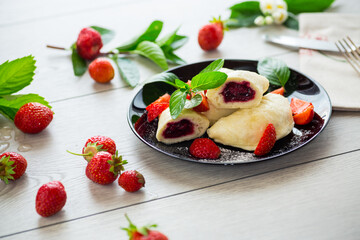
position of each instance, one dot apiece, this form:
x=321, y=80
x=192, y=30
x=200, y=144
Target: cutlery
x=352, y=56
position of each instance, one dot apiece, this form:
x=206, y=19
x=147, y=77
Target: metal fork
x=350, y=51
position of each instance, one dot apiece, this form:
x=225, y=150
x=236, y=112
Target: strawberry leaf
x=79, y=64
x=10, y=104
x=128, y=70
x=153, y=52
x=16, y=75
x=177, y=103
x=106, y=34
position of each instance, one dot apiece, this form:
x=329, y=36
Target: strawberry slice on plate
x=280, y=91
x=303, y=112
x=157, y=107
x=267, y=141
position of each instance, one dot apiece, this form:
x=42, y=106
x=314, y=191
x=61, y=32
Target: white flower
x=269, y=20
x=268, y=6
x=260, y=21
x=280, y=16
x=281, y=4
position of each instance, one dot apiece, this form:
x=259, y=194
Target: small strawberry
x=204, y=148
x=50, y=198
x=280, y=91
x=89, y=43
x=143, y=233
x=157, y=107
x=101, y=70
x=131, y=181
x=267, y=141
x=211, y=35
x=33, y=117
x=303, y=112
x=104, y=168
x=12, y=166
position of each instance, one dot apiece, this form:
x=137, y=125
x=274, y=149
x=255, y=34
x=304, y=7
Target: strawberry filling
x=181, y=128
x=238, y=92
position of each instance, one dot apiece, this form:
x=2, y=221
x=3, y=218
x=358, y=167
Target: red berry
x=280, y=91
x=204, y=148
x=33, y=117
x=267, y=141
x=143, y=233
x=104, y=168
x=131, y=181
x=96, y=144
x=12, y=166
x=211, y=35
x=50, y=198
x=89, y=43
x=101, y=70
x=203, y=106
x=157, y=107
x=303, y=112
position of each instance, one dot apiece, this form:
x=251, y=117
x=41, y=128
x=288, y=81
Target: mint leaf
x=167, y=77
x=274, y=70
x=169, y=44
x=153, y=52
x=243, y=14
x=150, y=34
x=214, y=66
x=177, y=103
x=301, y=6
x=179, y=41
x=207, y=80
x=16, y=75
x=193, y=102
x=172, y=57
x=79, y=64
x=106, y=34
x=128, y=70
x=10, y=104
x=292, y=22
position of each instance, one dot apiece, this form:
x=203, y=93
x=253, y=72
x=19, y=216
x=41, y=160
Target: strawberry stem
x=81, y=154
x=101, y=54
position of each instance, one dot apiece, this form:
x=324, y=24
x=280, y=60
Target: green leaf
x=177, y=103
x=106, y=34
x=153, y=52
x=179, y=41
x=301, y=6
x=275, y=70
x=16, y=75
x=243, y=14
x=10, y=104
x=181, y=84
x=214, y=66
x=193, y=102
x=152, y=91
x=150, y=34
x=79, y=64
x=292, y=22
x=207, y=80
x=169, y=44
x=173, y=58
x=128, y=70
x=167, y=77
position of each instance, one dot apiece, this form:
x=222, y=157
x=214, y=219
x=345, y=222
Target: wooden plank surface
x=310, y=193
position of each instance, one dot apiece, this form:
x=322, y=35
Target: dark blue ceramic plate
x=305, y=89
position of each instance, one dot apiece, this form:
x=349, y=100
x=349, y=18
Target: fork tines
x=350, y=51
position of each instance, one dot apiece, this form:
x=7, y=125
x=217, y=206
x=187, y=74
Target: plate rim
x=200, y=161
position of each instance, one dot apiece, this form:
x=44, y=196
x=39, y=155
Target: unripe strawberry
x=101, y=70
x=89, y=43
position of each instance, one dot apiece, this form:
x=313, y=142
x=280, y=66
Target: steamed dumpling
x=245, y=127
x=188, y=125
x=214, y=113
x=242, y=89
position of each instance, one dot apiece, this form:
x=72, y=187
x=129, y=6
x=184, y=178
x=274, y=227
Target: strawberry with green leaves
x=211, y=35
x=12, y=166
x=143, y=233
x=104, y=167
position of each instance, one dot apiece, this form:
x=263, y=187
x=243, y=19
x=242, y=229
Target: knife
x=295, y=42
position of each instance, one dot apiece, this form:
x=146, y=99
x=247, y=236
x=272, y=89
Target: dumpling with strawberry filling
x=214, y=113
x=245, y=127
x=242, y=89
x=188, y=125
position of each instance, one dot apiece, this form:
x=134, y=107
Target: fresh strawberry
x=157, y=107
x=104, y=168
x=204, y=148
x=89, y=43
x=131, y=181
x=267, y=141
x=303, y=112
x=50, y=198
x=211, y=35
x=280, y=91
x=96, y=144
x=143, y=233
x=33, y=117
x=12, y=166
x=101, y=70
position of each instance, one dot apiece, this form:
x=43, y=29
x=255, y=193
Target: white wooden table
x=312, y=193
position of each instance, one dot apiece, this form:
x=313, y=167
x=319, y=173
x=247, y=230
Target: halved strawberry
x=267, y=141
x=303, y=112
x=157, y=107
x=204, y=148
x=280, y=91
x=203, y=106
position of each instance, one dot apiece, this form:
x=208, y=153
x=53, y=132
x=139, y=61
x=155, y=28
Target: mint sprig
x=14, y=76
x=275, y=70
x=208, y=78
